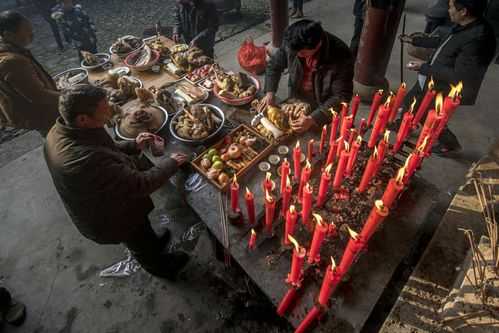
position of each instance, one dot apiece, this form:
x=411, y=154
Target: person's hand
x=302, y=124
x=176, y=38
x=179, y=157
x=415, y=65
x=143, y=139
x=269, y=99
x=192, y=44
x=406, y=39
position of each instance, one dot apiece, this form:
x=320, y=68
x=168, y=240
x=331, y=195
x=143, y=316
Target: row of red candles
x=344, y=149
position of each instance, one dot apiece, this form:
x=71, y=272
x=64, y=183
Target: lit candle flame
x=248, y=192
x=380, y=92
x=339, y=139
x=400, y=174
x=268, y=176
x=406, y=164
x=352, y=233
x=234, y=180
x=387, y=136
x=292, y=209
x=294, y=242
x=456, y=90
x=333, y=113
x=328, y=169
x=268, y=197
x=333, y=264
x=403, y=85
x=375, y=153
x=422, y=147
x=388, y=100
x=297, y=144
x=285, y=161
x=438, y=103
x=347, y=146
x=413, y=105
x=379, y=204
x=253, y=232
x=318, y=219
x=359, y=139
x=324, y=128
x=431, y=84
x=308, y=166
x=345, y=104
x=288, y=182
x=308, y=188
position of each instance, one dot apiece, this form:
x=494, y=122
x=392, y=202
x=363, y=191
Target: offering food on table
x=179, y=48
x=126, y=44
x=190, y=59
x=196, y=122
x=139, y=116
x=120, y=88
x=235, y=89
x=159, y=46
x=71, y=77
x=90, y=58
x=142, y=58
x=238, y=151
x=144, y=95
x=165, y=99
x=190, y=93
x=199, y=73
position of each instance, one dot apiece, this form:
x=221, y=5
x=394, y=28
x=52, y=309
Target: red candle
x=394, y=188
x=369, y=171
x=362, y=126
x=284, y=173
x=286, y=197
x=314, y=254
x=405, y=128
x=289, y=227
x=340, y=168
x=329, y=284
x=377, y=215
x=354, y=246
x=252, y=240
x=353, y=156
x=355, y=105
x=297, y=161
x=380, y=124
x=382, y=146
x=439, y=119
x=429, y=125
x=450, y=105
x=295, y=276
x=340, y=146
x=425, y=104
x=352, y=136
x=250, y=206
x=234, y=194
x=345, y=126
x=414, y=161
x=344, y=110
x=311, y=316
x=399, y=99
x=269, y=212
x=332, y=230
x=268, y=183
x=305, y=177
x=335, y=122
x=306, y=204
x=374, y=106
x=324, y=185
x=286, y=301
x=323, y=139
x=310, y=149
x=331, y=153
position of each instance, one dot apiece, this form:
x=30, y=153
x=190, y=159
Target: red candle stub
x=344, y=110
x=335, y=122
x=439, y=118
x=377, y=215
x=405, y=128
x=269, y=212
x=306, y=204
x=250, y=206
x=353, y=156
x=319, y=234
x=329, y=284
x=297, y=161
x=234, y=194
x=414, y=161
x=311, y=316
x=346, y=125
x=382, y=147
x=324, y=185
x=268, y=183
x=332, y=230
x=289, y=227
x=340, y=169
x=399, y=99
x=381, y=121
x=369, y=171
x=286, y=197
x=305, y=177
x=354, y=246
x=310, y=150
x=252, y=240
x=394, y=188
x=425, y=104
x=286, y=301
x=295, y=276
x=355, y=106
x=323, y=139
x=284, y=174
x=450, y=104
x=378, y=96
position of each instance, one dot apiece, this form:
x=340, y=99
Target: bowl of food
x=143, y=59
x=71, y=77
x=235, y=89
x=92, y=62
x=197, y=124
x=126, y=45
x=164, y=98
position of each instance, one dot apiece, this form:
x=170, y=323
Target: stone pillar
x=376, y=44
x=280, y=20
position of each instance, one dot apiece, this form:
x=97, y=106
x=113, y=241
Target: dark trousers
x=447, y=138
x=298, y=5
x=146, y=247
x=54, y=27
x=357, y=32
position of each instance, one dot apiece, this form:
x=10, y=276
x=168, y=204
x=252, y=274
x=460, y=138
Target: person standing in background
x=297, y=11
x=44, y=8
x=359, y=11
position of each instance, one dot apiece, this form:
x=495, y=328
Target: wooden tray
x=256, y=153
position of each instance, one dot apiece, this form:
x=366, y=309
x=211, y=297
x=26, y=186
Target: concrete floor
x=50, y=267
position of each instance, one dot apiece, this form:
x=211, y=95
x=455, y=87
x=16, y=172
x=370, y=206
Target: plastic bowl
x=104, y=57
x=154, y=60
x=237, y=101
x=74, y=71
x=124, y=55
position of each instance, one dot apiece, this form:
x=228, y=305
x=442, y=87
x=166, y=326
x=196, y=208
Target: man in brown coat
x=103, y=187
x=28, y=94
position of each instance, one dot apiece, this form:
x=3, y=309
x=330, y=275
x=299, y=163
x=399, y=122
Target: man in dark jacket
x=197, y=22
x=28, y=94
x=104, y=189
x=320, y=71
x=492, y=16
x=463, y=55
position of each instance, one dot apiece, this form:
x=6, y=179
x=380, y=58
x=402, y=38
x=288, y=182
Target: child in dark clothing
x=77, y=27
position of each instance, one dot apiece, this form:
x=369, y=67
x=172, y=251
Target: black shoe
x=444, y=150
x=16, y=315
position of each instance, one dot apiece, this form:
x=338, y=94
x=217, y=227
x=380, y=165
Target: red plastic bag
x=252, y=58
